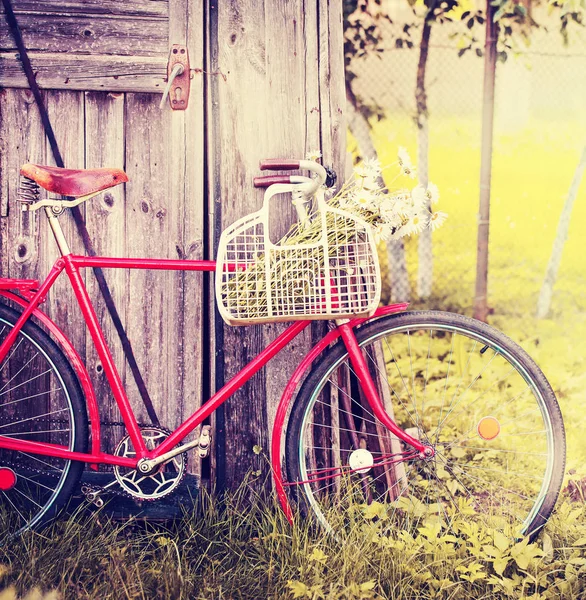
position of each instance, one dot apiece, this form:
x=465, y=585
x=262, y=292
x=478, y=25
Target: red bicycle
x=401, y=417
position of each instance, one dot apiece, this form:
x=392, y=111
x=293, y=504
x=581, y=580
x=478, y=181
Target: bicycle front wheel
x=40, y=401
x=457, y=385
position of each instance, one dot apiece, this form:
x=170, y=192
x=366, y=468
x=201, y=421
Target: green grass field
x=532, y=172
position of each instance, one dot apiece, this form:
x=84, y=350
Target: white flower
x=313, y=155
x=409, y=170
x=404, y=158
x=371, y=183
x=432, y=193
x=372, y=165
x=404, y=206
x=437, y=220
x=419, y=196
x=416, y=224
x=364, y=198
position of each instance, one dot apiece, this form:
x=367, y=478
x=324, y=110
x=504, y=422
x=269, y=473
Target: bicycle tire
x=318, y=458
x=40, y=400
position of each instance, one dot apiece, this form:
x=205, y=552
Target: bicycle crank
x=161, y=478
x=148, y=465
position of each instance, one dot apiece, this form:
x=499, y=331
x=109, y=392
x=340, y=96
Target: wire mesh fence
x=539, y=135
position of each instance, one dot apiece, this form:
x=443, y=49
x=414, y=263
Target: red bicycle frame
x=34, y=294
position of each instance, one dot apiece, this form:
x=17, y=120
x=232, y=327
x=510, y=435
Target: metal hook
x=177, y=70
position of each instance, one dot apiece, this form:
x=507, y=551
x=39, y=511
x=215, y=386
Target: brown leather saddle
x=73, y=182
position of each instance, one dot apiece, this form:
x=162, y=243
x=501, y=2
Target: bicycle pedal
x=92, y=495
x=205, y=440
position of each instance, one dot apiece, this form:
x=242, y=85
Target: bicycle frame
x=72, y=264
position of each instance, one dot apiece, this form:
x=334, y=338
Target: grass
x=246, y=549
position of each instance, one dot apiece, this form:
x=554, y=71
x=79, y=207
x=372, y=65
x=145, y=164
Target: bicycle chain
x=117, y=490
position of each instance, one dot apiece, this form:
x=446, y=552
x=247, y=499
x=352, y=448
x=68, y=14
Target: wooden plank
x=186, y=188
x=89, y=35
x=66, y=112
x=21, y=128
x=113, y=8
x=106, y=223
x=153, y=217
x=264, y=108
x=61, y=71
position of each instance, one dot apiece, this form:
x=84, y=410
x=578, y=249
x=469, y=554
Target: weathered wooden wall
x=273, y=88
x=158, y=214
x=282, y=96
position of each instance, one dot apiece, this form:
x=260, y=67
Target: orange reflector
x=488, y=428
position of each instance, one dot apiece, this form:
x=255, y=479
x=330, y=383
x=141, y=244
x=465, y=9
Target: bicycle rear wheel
x=458, y=385
x=41, y=401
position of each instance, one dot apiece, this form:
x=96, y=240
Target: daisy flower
x=419, y=196
x=432, y=193
x=404, y=158
x=409, y=170
x=373, y=167
x=416, y=224
x=437, y=220
x=365, y=199
x=313, y=155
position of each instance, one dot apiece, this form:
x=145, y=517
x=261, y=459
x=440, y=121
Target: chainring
x=162, y=481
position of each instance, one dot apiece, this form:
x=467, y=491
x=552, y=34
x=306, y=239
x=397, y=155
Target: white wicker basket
x=258, y=281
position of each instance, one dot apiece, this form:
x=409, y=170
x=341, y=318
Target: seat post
x=57, y=231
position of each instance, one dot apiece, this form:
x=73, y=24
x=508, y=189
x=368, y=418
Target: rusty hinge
x=178, y=78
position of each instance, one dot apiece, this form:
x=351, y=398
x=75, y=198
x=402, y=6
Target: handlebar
x=308, y=187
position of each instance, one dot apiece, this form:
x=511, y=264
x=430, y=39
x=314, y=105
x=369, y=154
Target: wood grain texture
x=111, y=46
x=62, y=71
x=21, y=130
x=270, y=105
x=66, y=112
x=158, y=214
x=112, y=8
x=106, y=222
x=186, y=183
x=89, y=35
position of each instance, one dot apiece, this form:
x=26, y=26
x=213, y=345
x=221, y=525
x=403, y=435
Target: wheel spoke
x=444, y=375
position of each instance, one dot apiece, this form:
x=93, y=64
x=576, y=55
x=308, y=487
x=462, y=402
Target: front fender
x=293, y=384
x=77, y=363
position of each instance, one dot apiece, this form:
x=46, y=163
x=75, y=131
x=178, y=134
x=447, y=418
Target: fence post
x=480, y=299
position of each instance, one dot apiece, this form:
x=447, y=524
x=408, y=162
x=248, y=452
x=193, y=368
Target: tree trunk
x=481, y=296
x=425, y=269
x=358, y=125
x=544, y=301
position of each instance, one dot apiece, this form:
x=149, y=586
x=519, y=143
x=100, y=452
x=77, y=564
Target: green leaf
x=318, y=555
x=580, y=542
x=374, y=510
x=548, y=546
x=500, y=564
x=501, y=541
x=367, y=586
x=458, y=452
x=257, y=449
x=298, y=588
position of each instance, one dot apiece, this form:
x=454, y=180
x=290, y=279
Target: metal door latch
x=178, y=78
